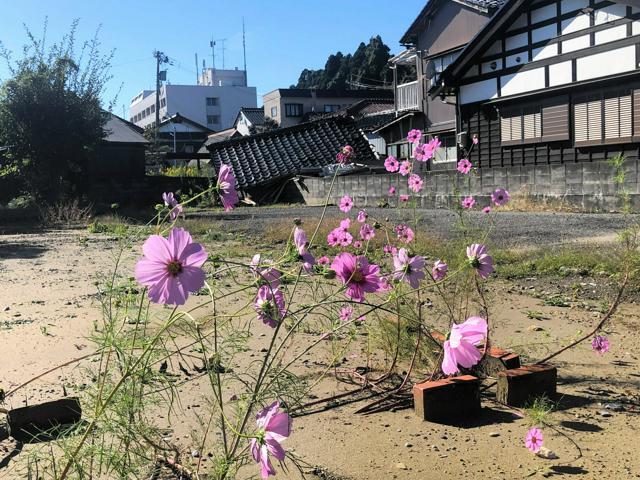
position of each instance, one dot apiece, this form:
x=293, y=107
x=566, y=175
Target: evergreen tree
x=367, y=65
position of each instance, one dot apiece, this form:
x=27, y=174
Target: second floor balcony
x=407, y=97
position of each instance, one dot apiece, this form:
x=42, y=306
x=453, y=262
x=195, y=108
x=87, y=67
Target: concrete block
x=448, y=400
x=518, y=386
x=496, y=360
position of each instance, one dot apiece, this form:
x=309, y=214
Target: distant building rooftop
x=322, y=93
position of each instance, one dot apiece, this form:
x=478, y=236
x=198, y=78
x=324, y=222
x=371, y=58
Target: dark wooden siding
x=484, y=121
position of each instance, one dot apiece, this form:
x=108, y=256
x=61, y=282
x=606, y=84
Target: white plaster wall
x=478, y=91
x=560, y=73
x=520, y=82
x=607, y=63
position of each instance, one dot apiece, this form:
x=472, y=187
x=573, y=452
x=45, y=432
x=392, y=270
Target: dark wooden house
x=121, y=154
x=550, y=82
x=433, y=41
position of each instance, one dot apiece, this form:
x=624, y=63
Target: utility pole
x=161, y=58
x=244, y=54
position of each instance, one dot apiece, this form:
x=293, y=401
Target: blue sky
x=283, y=36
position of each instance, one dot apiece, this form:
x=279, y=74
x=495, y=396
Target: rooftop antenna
x=212, y=44
x=222, y=40
x=244, y=53
x=197, y=73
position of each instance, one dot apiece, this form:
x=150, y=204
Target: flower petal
x=156, y=248
x=279, y=426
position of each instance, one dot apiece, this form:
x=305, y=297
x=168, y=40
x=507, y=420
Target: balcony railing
x=407, y=96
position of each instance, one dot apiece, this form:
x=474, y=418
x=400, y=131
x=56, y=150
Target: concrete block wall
x=589, y=186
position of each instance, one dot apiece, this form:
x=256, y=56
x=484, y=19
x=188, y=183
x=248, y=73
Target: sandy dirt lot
x=48, y=308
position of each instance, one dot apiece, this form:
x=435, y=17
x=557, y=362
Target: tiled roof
x=118, y=130
x=322, y=93
x=263, y=158
x=368, y=114
x=485, y=3
x=254, y=115
x=217, y=137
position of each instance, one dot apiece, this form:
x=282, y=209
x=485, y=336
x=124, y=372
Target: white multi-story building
x=214, y=105
x=215, y=77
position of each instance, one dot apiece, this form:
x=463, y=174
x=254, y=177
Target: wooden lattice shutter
x=626, y=116
x=594, y=114
x=555, y=121
x=636, y=113
x=581, y=122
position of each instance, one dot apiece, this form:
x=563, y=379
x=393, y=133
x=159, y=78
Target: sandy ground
x=47, y=310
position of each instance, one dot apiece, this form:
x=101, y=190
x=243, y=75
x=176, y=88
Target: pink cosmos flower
x=500, y=197
x=333, y=238
x=468, y=202
x=357, y=244
x=439, y=270
x=362, y=216
x=345, y=223
x=345, y=154
x=385, y=285
x=367, y=232
x=346, y=203
x=423, y=152
x=389, y=249
x=410, y=269
x=464, y=166
x=486, y=209
x=415, y=183
x=405, y=168
x=273, y=429
x=480, y=259
x=300, y=240
x=460, y=345
x=404, y=198
x=404, y=233
x=171, y=202
x=600, y=344
x=269, y=305
x=265, y=274
x=392, y=190
x=324, y=260
x=414, y=136
x=435, y=144
x=346, y=313
x=533, y=440
x=391, y=164
x=475, y=139
x=227, y=187
x=357, y=274
x=345, y=239
x=171, y=267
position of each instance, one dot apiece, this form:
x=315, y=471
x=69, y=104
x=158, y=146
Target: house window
x=448, y=151
x=212, y=102
x=153, y=108
x=546, y=121
x=331, y=108
x=163, y=102
x=213, y=119
x=293, y=109
x=602, y=118
x=435, y=66
x=274, y=112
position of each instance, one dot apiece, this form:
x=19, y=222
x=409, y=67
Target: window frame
x=212, y=101
x=288, y=106
x=214, y=117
